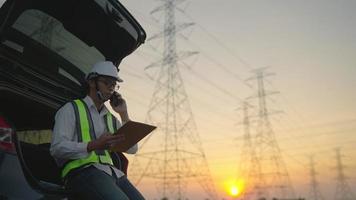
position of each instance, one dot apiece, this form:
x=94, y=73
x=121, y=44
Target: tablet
x=133, y=133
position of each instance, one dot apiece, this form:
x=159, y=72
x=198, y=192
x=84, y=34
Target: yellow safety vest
x=85, y=131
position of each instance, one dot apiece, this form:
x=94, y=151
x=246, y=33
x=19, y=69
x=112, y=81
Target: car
x=47, y=47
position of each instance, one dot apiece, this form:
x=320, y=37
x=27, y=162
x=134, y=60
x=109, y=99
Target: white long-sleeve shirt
x=65, y=145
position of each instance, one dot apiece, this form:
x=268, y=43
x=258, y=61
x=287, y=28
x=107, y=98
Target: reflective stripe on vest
x=110, y=122
x=85, y=131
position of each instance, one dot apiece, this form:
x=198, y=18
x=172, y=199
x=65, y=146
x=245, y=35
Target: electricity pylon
x=269, y=175
x=343, y=191
x=247, y=154
x=173, y=155
x=314, y=193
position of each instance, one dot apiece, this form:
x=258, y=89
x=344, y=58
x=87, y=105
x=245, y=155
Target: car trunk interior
x=28, y=113
x=33, y=121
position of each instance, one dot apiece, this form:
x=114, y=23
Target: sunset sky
x=310, y=47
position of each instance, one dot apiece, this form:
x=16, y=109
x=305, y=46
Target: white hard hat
x=104, y=68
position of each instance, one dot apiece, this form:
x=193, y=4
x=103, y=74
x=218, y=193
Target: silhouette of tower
x=343, y=191
x=247, y=154
x=269, y=175
x=172, y=156
x=314, y=193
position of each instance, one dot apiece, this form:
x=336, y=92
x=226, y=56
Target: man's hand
x=105, y=141
x=121, y=108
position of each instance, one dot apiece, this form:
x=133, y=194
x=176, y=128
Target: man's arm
x=65, y=143
x=124, y=115
x=104, y=142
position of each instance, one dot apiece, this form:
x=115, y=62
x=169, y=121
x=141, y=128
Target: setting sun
x=234, y=191
x=234, y=188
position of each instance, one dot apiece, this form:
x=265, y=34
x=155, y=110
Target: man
x=82, y=138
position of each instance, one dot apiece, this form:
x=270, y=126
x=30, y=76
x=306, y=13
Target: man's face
x=108, y=81
x=106, y=85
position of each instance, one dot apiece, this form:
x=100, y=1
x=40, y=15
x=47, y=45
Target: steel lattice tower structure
x=269, y=175
x=172, y=157
x=247, y=154
x=314, y=193
x=343, y=191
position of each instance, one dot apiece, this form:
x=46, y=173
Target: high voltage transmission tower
x=268, y=176
x=247, y=154
x=314, y=193
x=172, y=157
x=247, y=151
x=343, y=191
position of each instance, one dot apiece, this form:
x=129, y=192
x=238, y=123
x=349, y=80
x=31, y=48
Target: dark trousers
x=91, y=183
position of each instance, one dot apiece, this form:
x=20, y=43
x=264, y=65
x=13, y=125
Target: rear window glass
x=50, y=32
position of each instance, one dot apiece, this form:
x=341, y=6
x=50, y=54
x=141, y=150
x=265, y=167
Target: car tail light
x=6, y=133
